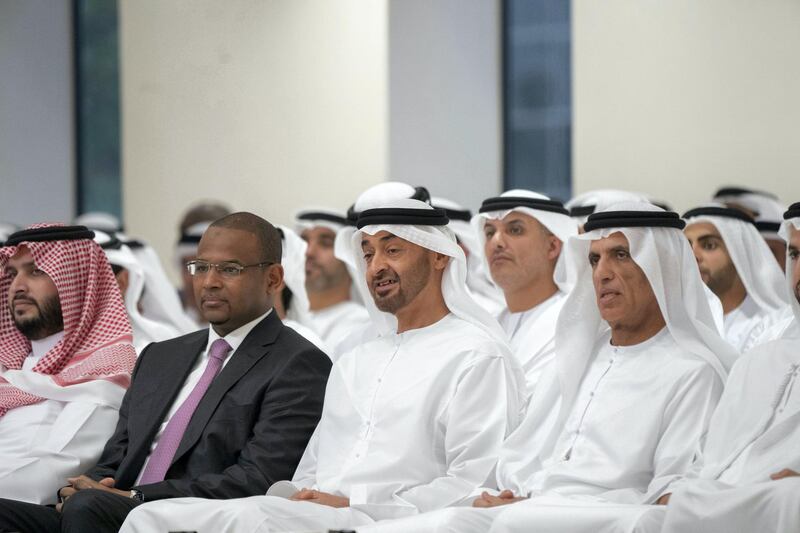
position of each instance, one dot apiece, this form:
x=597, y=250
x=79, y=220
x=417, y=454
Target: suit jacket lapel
x=253, y=349
x=176, y=370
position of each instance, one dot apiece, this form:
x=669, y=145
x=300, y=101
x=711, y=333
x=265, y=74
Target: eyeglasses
x=226, y=270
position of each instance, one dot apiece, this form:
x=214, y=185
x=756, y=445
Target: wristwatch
x=137, y=495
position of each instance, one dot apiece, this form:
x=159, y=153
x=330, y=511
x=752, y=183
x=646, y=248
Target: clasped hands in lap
x=83, y=483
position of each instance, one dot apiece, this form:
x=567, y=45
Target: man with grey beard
x=332, y=315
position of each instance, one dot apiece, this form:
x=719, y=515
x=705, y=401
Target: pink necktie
x=161, y=458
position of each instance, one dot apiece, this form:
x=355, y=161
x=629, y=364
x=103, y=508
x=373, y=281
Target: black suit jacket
x=249, y=430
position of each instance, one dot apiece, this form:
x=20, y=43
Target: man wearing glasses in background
x=219, y=413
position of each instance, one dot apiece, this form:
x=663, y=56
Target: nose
x=310, y=249
x=211, y=279
x=376, y=265
x=603, y=271
x=496, y=241
x=18, y=285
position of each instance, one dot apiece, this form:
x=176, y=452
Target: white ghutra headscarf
x=657, y=245
x=550, y=213
x=145, y=330
x=479, y=281
x=435, y=236
x=789, y=326
x=375, y=196
x=754, y=262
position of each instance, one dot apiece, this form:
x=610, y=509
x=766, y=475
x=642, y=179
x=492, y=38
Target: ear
x=277, y=302
x=440, y=261
x=274, y=275
x=123, y=280
x=554, y=247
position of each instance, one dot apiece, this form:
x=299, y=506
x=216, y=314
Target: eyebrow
x=23, y=265
x=385, y=238
x=612, y=250
x=709, y=236
x=199, y=259
x=514, y=221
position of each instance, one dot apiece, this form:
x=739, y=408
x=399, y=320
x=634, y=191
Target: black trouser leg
x=95, y=511
x=28, y=517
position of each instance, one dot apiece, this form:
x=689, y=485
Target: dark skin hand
x=322, y=498
x=786, y=472
x=83, y=483
x=504, y=498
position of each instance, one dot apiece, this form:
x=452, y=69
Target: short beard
x=797, y=293
x=411, y=284
x=721, y=281
x=49, y=320
x=327, y=280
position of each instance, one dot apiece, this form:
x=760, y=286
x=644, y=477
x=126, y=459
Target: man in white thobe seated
x=765, y=208
x=522, y=233
x=376, y=195
x=332, y=314
x=131, y=280
x=65, y=359
x=788, y=327
x=159, y=301
x=412, y=421
x=738, y=266
x=479, y=281
x=636, y=377
x=746, y=478
x=291, y=304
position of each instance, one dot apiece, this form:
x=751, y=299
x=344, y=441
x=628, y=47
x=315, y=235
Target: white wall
x=268, y=106
x=36, y=112
x=677, y=98
x=445, y=114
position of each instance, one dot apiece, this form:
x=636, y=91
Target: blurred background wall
x=678, y=98
x=37, y=174
x=266, y=106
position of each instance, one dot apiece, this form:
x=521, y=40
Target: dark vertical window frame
x=536, y=96
x=77, y=111
x=96, y=89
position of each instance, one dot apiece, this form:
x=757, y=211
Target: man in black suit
x=198, y=420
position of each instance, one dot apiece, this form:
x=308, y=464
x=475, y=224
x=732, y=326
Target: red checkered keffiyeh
x=97, y=342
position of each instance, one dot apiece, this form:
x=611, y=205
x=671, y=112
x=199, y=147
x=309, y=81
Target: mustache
x=499, y=255
x=385, y=277
x=25, y=299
